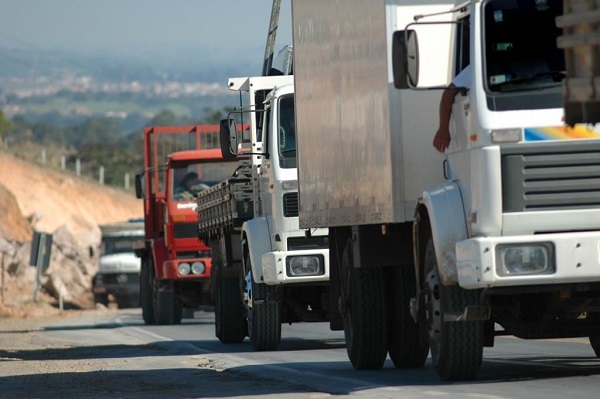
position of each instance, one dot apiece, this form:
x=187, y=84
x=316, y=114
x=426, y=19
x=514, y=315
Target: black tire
x=230, y=323
x=407, y=340
x=169, y=310
x=101, y=299
x=147, y=289
x=456, y=347
x=595, y=340
x=364, y=314
x=263, y=318
x=126, y=302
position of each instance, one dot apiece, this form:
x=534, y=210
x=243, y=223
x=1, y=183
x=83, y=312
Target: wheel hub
x=433, y=309
x=247, y=293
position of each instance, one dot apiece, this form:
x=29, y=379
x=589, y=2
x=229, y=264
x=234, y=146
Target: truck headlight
x=524, y=259
x=184, y=268
x=305, y=265
x=289, y=184
x=506, y=135
x=198, y=268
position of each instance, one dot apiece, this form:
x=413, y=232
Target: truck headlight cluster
x=506, y=135
x=305, y=265
x=524, y=259
x=185, y=268
x=198, y=268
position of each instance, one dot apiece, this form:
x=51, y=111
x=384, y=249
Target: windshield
x=520, y=45
x=287, y=132
x=118, y=245
x=191, y=178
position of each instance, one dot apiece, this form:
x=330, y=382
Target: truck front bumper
x=172, y=269
x=288, y=267
x=542, y=259
x=118, y=284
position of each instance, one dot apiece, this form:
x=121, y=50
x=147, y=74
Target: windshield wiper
x=556, y=76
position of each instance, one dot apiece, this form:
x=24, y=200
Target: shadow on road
x=155, y=371
x=146, y=384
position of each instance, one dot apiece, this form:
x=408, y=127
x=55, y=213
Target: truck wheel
x=364, y=314
x=168, y=309
x=408, y=343
x=101, y=299
x=456, y=347
x=147, y=283
x=230, y=324
x=127, y=302
x=264, y=318
x=595, y=340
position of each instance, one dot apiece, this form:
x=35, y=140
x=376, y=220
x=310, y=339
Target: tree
x=5, y=124
x=95, y=129
x=164, y=118
x=214, y=116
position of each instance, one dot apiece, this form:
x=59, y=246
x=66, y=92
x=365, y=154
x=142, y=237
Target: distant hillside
x=192, y=64
x=64, y=88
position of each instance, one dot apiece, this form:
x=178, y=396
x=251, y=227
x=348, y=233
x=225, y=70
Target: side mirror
x=139, y=185
x=228, y=137
x=405, y=59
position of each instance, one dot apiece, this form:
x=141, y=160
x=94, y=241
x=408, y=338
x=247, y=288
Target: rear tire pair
x=372, y=330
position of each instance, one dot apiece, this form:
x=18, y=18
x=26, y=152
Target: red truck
x=179, y=162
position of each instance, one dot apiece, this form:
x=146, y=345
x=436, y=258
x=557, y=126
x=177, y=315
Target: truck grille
x=551, y=176
x=185, y=230
x=290, y=205
x=302, y=243
x=120, y=278
x=193, y=254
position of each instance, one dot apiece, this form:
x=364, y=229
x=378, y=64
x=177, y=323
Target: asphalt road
x=114, y=355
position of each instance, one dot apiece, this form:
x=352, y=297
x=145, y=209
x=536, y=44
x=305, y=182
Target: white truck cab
x=118, y=273
x=437, y=249
x=284, y=270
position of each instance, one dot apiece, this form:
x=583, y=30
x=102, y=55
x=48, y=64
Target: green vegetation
x=96, y=142
x=5, y=124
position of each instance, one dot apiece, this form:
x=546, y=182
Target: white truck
x=266, y=271
x=118, y=273
x=430, y=251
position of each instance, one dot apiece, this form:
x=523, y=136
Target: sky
x=238, y=27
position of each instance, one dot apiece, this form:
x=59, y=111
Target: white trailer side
x=360, y=158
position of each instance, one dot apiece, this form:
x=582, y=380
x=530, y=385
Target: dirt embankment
x=33, y=197
x=55, y=199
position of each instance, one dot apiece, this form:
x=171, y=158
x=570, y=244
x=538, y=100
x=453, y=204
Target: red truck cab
x=179, y=161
